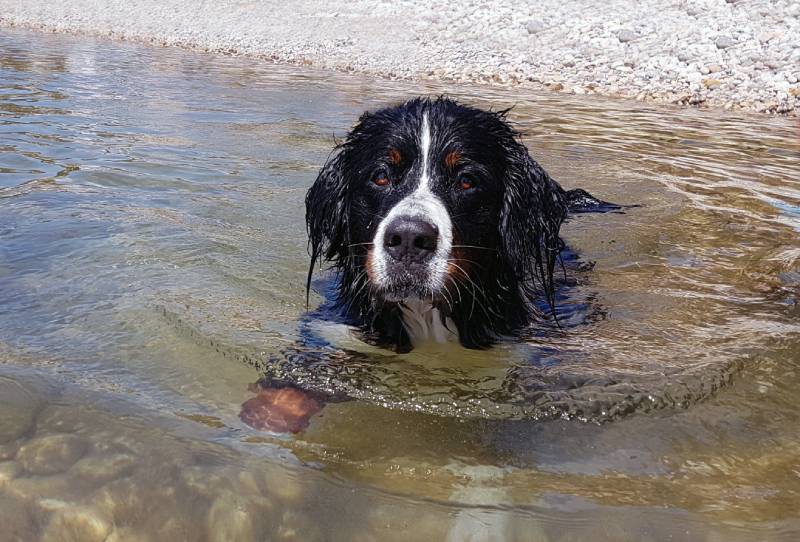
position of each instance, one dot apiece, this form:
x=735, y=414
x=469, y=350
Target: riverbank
x=735, y=55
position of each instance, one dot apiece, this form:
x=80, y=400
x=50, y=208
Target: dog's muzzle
x=411, y=248
x=410, y=240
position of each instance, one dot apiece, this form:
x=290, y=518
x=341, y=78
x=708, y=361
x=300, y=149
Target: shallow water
x=152, y=246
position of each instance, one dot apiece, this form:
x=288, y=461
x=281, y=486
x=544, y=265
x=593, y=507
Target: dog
x=439, y=224
x=440, y=227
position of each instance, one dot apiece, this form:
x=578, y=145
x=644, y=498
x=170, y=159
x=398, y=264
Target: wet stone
x=284, y=485
x=204, y=481
x=16, y=518
x=18, y=410
x=296, y=527
x=39, y=486
x=73, y=523
x=61, y=420
x=104, y=468
x=8, y=471
x=120, y=499
x=125, y=534
x=233, y=517
x=51, y=454
x=8, y=451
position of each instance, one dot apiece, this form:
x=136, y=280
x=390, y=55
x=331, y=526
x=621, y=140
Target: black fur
x=506, y=229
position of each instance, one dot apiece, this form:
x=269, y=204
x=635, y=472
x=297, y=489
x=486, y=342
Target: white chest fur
x=424, y=323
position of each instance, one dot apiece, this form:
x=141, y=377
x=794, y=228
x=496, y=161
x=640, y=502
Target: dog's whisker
x=474, y=296
x=471, y=262
x=448, y=297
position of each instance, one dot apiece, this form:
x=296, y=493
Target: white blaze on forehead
x=425, y=150
x=422, y=203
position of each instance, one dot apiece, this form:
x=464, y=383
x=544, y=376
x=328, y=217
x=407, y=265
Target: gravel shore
x=721, y=53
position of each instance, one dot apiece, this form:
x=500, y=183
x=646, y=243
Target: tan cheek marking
x=452, y=159
x=395, y=157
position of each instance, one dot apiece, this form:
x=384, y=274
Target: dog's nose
x=412, y=240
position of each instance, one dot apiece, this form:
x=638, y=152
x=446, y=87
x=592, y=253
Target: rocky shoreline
x=736, y=55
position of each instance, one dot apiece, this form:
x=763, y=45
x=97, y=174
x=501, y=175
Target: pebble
x=696, y=99
x=51, y=454
x=724, y=42
x=534, y=27
x=766, y=37
x=625, y=36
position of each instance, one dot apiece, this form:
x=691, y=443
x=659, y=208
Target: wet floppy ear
x=534, y=206
x=326, y=213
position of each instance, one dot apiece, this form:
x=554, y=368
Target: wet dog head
x=437, y=203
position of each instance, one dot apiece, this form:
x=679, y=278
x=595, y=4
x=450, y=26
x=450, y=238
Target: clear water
x=153, y=257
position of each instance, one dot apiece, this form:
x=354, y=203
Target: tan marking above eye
x=452, y=159
x=395, y=157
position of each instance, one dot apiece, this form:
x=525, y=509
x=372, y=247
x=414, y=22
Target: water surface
x=153, y=258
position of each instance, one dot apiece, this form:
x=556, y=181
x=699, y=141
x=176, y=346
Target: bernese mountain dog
x=440, y=227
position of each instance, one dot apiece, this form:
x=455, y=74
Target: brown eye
x=465, y=183
x=381, y=181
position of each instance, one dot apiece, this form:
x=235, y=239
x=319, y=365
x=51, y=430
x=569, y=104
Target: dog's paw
x=279, y=409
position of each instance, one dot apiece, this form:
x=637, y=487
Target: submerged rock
x=233, y=517
x=17, y=521
x=125, y=534
x=18, y=409
x=8, y=471
x=51, y=454
x=104, y=468
x=73, y=523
